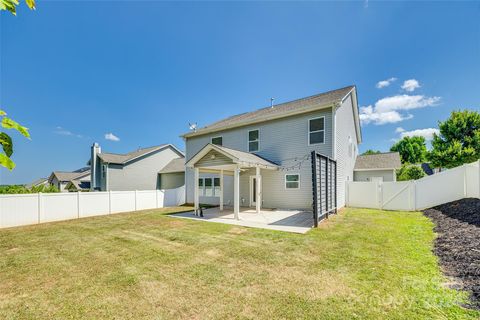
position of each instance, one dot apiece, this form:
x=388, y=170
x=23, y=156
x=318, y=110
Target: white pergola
x=225, y=161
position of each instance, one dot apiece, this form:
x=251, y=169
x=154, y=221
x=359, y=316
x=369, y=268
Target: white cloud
x=64, y=132
x=410, y=85
x=399, y=130
x=369, y=115
x=427, y=133
x=405, y=102
x=385, y=83
x=110, y=136
x=389, y=109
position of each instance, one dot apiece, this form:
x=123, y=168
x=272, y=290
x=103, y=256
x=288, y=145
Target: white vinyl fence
x=450, y=185
x=25, y=209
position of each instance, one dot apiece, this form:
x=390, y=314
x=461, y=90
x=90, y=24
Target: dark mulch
x=458, y=243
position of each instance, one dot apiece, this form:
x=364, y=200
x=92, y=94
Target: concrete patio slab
x=296, y=221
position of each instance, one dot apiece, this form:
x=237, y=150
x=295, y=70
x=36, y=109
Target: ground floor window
x=209, y=187
x=292, y=181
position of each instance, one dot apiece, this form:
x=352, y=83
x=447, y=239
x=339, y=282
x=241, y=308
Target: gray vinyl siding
x=213, y=158
x=283, y=141
x=139, y=174
x=344, y=128
x=387, y=175
x=172, y=180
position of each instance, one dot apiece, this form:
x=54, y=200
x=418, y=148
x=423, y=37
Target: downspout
x=334, y=136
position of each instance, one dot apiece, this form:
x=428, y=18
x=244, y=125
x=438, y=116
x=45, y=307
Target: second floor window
x=253, y=140
x=218, y=141
x=316, y=130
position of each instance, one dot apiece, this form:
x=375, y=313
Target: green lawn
x=360, y=264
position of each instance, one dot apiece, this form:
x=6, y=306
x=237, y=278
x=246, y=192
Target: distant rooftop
x=387, y=160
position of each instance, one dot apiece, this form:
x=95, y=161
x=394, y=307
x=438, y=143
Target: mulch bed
x=458, y=243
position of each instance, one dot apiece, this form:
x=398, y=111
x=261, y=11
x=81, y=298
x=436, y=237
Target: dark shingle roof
x=176, y=165
x=122, y=158
x=281, y=110
x=388, y=160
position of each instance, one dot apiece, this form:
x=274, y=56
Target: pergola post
x=195, y=201
x=236, y=192
x=221, y=190
x=258, y=201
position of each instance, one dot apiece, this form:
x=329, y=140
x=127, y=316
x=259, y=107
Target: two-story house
x=261, y=158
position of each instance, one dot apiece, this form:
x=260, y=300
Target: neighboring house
x=266, y=152
x=37, y=183
x=173, y=174
x=62, y=179
x=377, y=167
x=137, y=170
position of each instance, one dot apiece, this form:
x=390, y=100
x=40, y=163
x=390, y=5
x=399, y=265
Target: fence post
x=78, y=204
x=135, y=200
x=40, y=206
x=109, y=201
x=414, y=195
x=464, y=180
x=380, y=195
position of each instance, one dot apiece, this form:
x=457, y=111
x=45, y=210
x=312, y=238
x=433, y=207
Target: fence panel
x=58, y=206
x=450, y=185
x=397, y=195
x=94, y=204
x=473, y=180
x=122, y=201
x=146, y=199
x=25, y=209
x=440, y=188
x=18, y=210
x=363, y=194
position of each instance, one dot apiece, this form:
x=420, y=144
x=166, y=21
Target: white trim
x=248, y=140
x=285, y=181
x=211, y=141
x=324, y=130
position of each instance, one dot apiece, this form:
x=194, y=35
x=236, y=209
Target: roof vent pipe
x=271, y=102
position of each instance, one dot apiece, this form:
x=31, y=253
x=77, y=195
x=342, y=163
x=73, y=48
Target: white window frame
x=324, y=130
x=211, y=141
x=201, y=192
x=285, y=181
x=248, y=140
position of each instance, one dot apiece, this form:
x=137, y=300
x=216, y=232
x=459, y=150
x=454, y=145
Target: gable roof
x=176, y=165
x=238, y=157
x=67, y=175
x=379, y=161
x=127, y=157
x=78, y=185
x=308, y=104
x=37, y=183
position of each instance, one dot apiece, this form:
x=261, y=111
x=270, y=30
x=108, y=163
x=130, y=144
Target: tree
x=11, y=5
x=459, y=140
x=411, y=149
x=410, y=172
x=370, y=151
x=6, y=140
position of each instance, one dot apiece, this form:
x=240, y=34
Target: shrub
x=410, y=172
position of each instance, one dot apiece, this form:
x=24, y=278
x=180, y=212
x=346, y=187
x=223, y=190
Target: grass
x=361, y=264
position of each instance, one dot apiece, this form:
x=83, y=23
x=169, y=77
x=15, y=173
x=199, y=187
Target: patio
x=296, y=221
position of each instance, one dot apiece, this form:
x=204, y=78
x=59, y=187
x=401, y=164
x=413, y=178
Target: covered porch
x=225, y=161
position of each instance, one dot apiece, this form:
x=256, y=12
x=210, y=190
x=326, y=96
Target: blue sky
x=73, y=72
